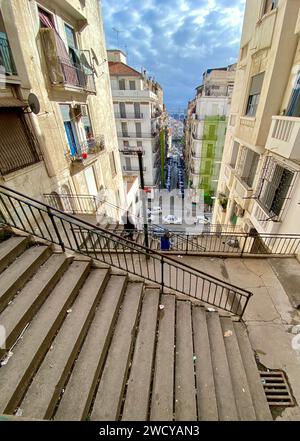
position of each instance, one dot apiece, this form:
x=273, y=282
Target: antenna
x=117, y=31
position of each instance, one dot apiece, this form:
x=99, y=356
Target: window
x=17, y=145
x=138, y=128
x=139, y=144
x=122, y=84
x=249, y=162
x=212, y=131
x=254, y=94
x=122, y=110
x=112, y=163
x=137, y=110
x=269, y=6
x=293, y=108
x=275, y=186
x=71, y=39
x=46, y=19
x=132, y=85
x=126, y=144
x=124, y=129
x=234, y=154
x=209, y=151
x=128, y=164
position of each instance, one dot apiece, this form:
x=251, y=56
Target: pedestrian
x=129, y=226
x=165, y=241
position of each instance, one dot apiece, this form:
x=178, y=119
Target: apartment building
x=57, y=127
x=259, y=187
x=206, y=130
x=140, y=117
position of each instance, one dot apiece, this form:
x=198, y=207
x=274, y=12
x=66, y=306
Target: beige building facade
x=259, y=188
x=57, y=128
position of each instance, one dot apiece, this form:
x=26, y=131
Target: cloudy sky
x=175, y=40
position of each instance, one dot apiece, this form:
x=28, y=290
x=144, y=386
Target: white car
x=154, y=210
x=201, y=220
x=171, y=219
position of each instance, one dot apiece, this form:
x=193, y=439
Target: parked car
x=201, y=219
x=171, y=219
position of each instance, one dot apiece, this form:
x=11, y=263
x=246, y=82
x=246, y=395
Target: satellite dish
x=33, y=103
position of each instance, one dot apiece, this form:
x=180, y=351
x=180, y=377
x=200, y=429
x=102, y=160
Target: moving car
x=171, y=219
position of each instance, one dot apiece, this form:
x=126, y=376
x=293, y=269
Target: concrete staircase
x=84, y=342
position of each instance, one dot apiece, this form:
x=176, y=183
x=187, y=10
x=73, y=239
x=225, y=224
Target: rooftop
x=118, y=68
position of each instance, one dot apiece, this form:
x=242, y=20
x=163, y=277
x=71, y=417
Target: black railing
x=75, y=204
x=43, y=221
x=6, y=58
x=75, y=75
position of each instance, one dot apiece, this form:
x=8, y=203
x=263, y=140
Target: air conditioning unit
x=239, y=211
x=249, y=228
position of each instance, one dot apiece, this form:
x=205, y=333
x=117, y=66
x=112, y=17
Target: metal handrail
x=79, y=203
x=34, y=217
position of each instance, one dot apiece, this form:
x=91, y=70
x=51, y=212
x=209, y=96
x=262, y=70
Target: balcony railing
x=136, y=135
x=127, y=115
x=75, y=75
x=86, y=150
x=131, y=150
x=6, y=58
x=284, y=137
x=75, y=204
x=132, y=168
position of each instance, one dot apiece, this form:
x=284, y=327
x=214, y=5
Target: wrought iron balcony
x=76, y=75
x=6, y=58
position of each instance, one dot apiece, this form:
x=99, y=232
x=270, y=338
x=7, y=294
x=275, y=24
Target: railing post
x=244, y=244
x=162, y=274
x=60, y=241
x=187, y=243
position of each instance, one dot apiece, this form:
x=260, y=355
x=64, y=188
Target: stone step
x=206, y=394
x=223, y=385
x=259, y=400
x=79, y=391
x=20, y=271
x=45, y=389
x=138, y=390
x=22, y=309
x=241, y=390
x=185, y=392
x=109, y=396
x=10, y=249
x=16, y=375
x=163, y=381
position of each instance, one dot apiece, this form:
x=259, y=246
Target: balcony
x=63, y=72
x=132, y=169
x=128, y=115
x=131, y=150
x=284, y=137
x=242, y=193
x=134, y=94
x=135, y=135
x=228, y=175
x=7, y=65
x=87, y=153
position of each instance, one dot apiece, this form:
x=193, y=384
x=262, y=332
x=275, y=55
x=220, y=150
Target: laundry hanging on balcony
x=66, y=71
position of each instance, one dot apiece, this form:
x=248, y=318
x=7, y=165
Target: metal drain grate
x=276, y=388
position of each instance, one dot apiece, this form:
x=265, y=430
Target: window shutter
x=256, y=84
